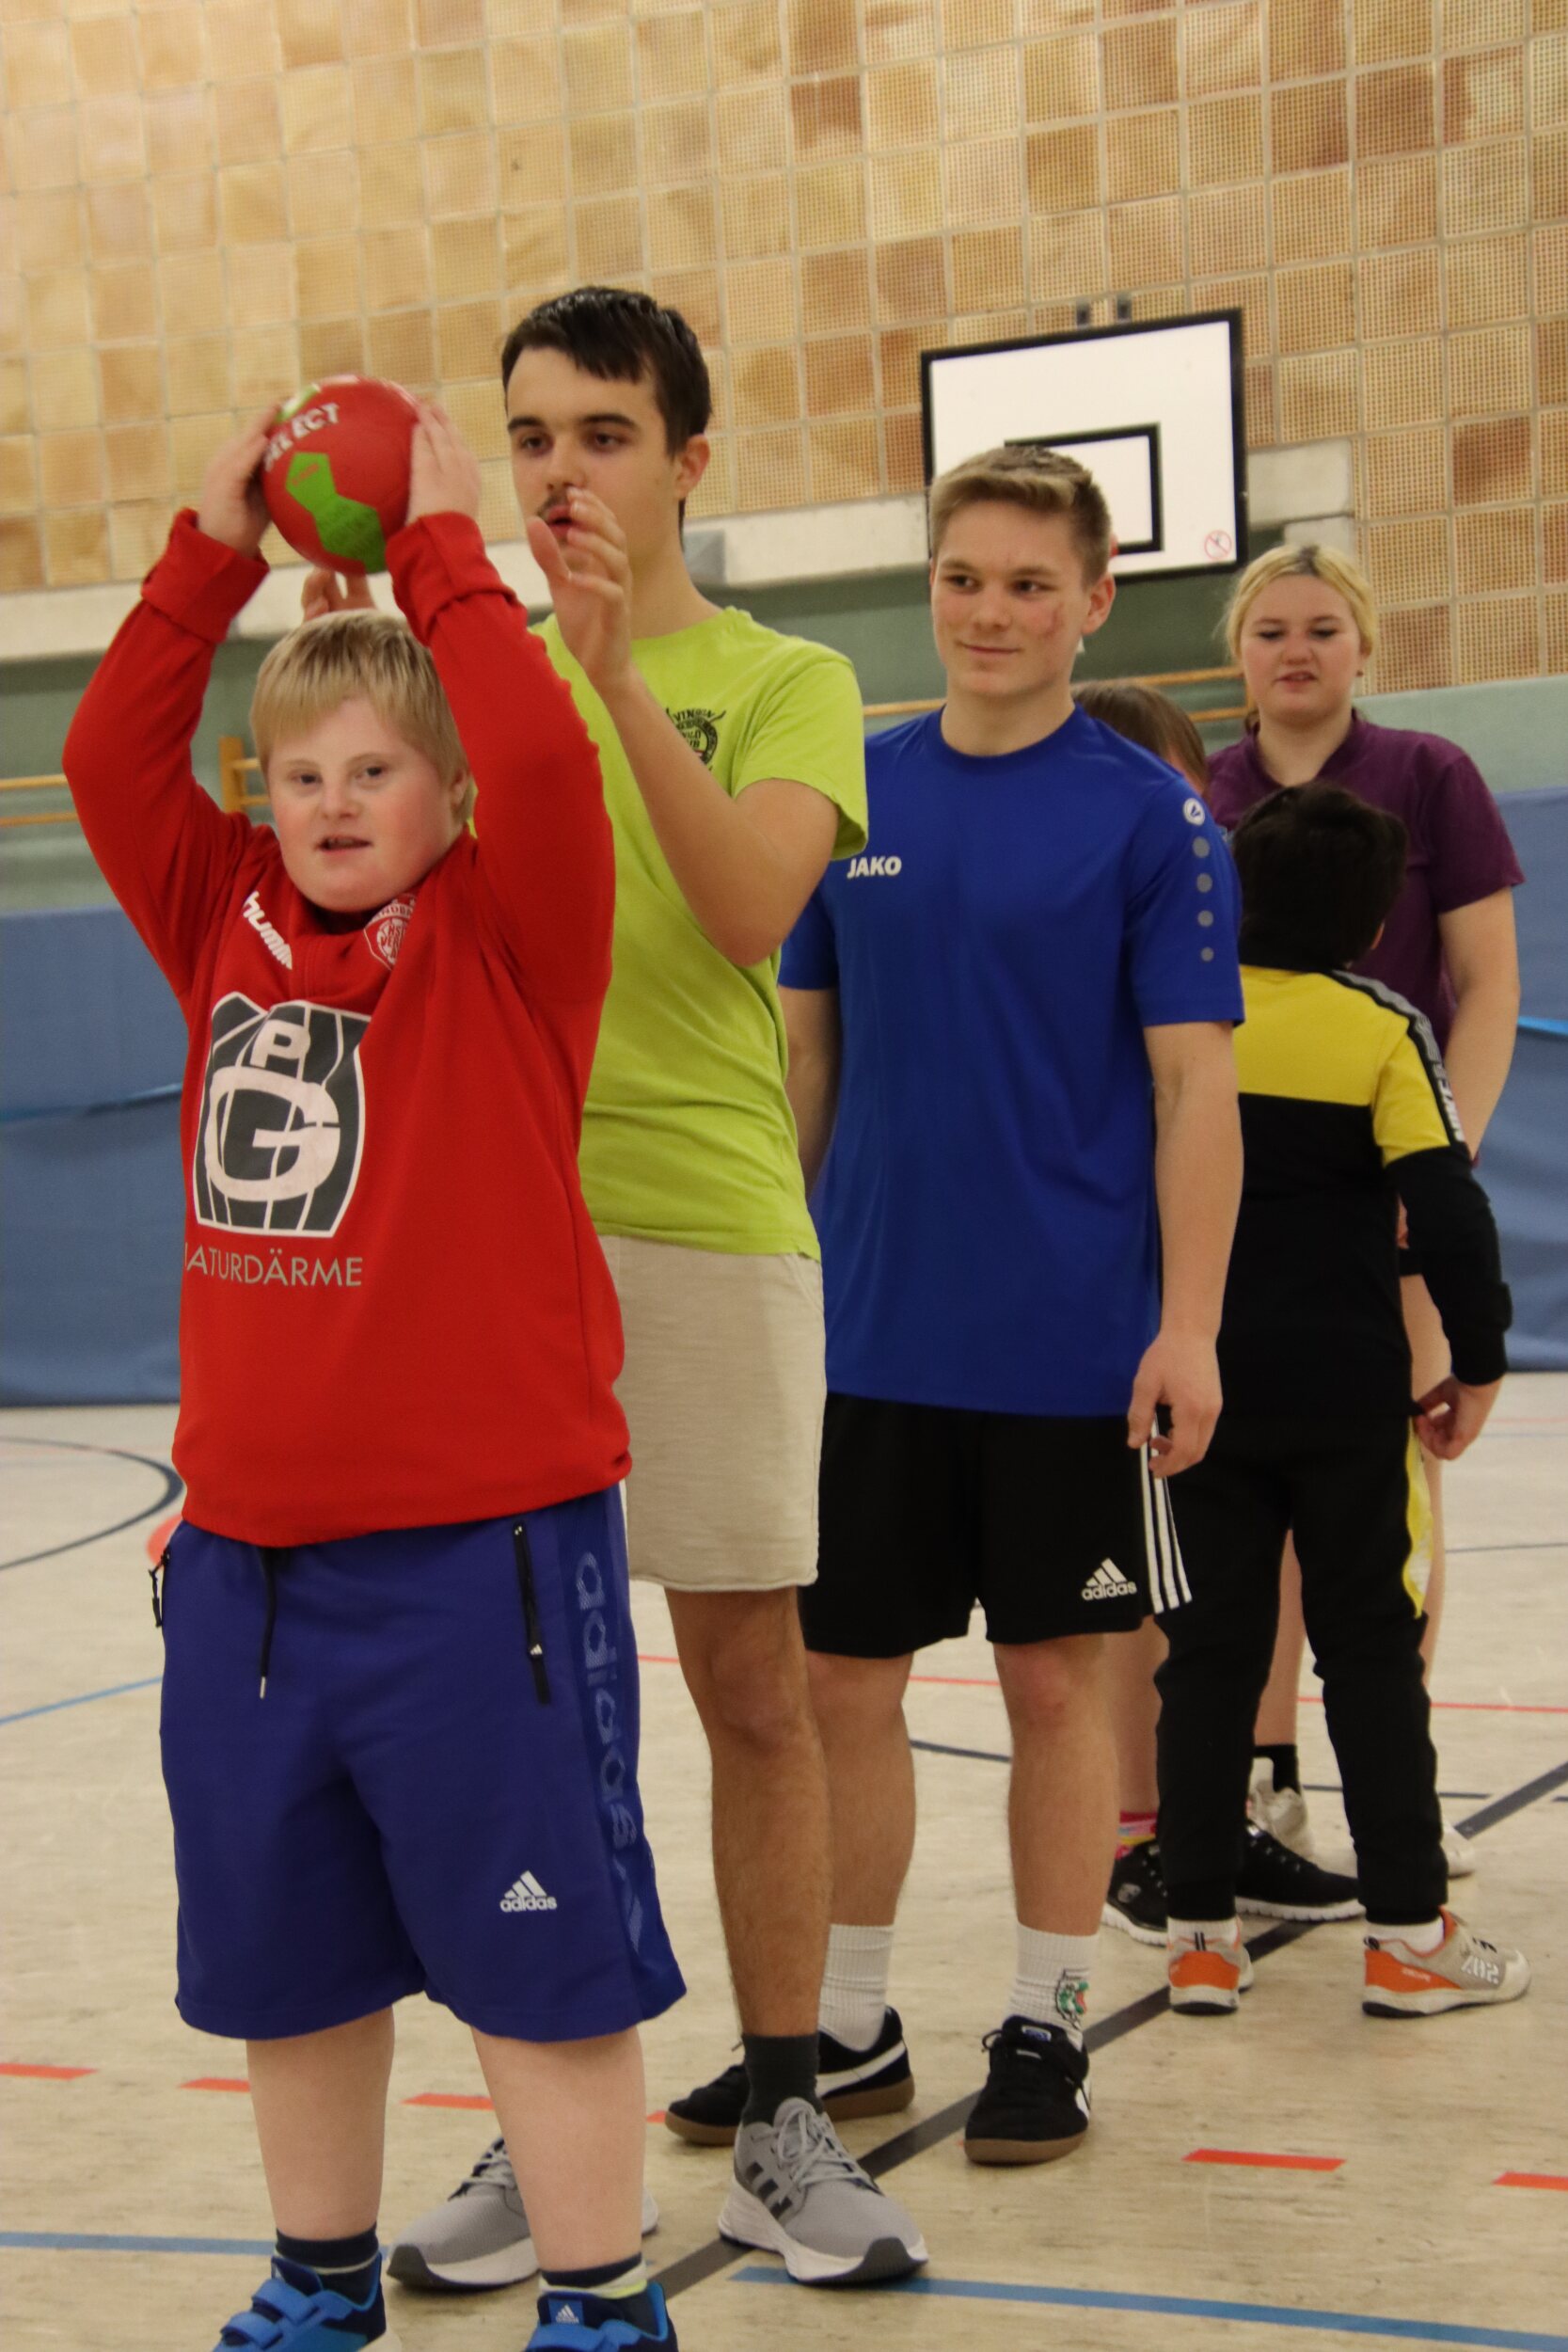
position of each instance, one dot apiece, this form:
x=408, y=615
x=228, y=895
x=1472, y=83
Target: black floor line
x=706, y=2262
x=173, y=1486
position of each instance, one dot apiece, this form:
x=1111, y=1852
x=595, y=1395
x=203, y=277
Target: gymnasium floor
x=1298, y=2168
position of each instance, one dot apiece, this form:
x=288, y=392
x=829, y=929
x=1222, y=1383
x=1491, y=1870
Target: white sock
x=1212, y=1930
x=1424, y=1936
x=854, y=1984
x=1052, y=1985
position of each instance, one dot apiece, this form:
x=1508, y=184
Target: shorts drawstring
x=270, y=1559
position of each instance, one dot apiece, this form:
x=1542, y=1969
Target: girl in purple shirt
x=1302, y=623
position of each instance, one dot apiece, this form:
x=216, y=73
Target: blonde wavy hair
x=318, y=667
x=1311, y=561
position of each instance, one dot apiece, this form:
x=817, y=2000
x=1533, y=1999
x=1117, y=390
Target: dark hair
x=622, y=338
x=1150, y=718
x=1320, y=872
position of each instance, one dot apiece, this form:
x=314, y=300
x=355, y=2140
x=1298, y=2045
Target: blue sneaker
x=597, y=2323
x=293, y=2312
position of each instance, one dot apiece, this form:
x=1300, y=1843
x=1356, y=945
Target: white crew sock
x=1423, y=1938
x=854, y=1984
x=1052, y=1985
x=1212, y=1930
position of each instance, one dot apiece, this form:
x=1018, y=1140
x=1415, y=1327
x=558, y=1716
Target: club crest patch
x=384, y=932
x=282, y=1131
x=701, y=730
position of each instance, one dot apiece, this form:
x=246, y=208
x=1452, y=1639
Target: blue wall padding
x=1525, y=1163
x=92, y=1191
x=91, y=1194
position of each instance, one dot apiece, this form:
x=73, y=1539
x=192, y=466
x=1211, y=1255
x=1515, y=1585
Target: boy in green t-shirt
x=734, y=773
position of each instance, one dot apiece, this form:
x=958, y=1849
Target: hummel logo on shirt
x=528, y=1895
x=1108, y=1583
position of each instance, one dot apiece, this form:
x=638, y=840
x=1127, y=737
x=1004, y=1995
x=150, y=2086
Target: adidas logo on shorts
x=528, y=1895
x=1108, y=1583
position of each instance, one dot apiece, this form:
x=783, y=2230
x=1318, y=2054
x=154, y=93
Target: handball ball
x=335, y=476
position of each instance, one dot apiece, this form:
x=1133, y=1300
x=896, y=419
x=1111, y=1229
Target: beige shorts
x=723, y=1391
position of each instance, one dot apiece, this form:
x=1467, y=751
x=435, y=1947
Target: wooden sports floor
x=1299, y=2173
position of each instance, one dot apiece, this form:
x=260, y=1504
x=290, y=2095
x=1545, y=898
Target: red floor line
x=48, y=2074
x=216, y=2082
x=1264, y=2162
x=1531, y=2180
x=160, y=1536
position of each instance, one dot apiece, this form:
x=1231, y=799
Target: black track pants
x=1354, y=1493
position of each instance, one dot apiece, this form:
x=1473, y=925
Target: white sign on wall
x=1153, y=410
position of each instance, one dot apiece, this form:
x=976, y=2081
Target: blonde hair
x=325, y=664
x=1311, y=561
x=1044, y=482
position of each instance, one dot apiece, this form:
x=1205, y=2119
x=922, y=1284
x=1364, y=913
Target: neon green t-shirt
x=686, y=1132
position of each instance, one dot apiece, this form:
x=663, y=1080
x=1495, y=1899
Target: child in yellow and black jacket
x=1346, y=1113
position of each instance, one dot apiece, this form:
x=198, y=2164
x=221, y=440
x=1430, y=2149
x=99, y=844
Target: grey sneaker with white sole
x=480, y=2238
x=797, y=2192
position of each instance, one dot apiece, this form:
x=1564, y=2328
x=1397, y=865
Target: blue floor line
x=82, y=1698
x=1191, y=2307
x=93, y=2242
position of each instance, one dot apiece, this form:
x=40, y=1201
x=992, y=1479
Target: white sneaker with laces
x=797, y=2192
x=479, y=2237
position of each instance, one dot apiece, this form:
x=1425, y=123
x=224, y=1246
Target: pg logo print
x=282, y=1125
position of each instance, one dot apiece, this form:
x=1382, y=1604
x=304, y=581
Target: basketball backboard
x=1152, y=408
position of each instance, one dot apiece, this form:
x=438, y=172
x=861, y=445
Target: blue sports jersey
x=987, y=1211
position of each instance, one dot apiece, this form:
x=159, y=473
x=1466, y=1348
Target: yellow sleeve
x=1413, y=1109
x=809, y=728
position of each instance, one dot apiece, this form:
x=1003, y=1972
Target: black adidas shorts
x=1052, y=1526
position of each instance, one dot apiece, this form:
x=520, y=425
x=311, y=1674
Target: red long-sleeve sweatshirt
x=394, y=1312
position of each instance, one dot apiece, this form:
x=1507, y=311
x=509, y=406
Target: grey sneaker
x=479, y=2237
x=797, y=2192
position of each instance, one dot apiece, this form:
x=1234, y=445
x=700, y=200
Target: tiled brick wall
x=212, y=202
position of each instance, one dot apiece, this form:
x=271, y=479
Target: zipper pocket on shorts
x=523, y=1555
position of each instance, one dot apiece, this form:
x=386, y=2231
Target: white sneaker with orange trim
x=1207, y=1973
x=1464, y=1972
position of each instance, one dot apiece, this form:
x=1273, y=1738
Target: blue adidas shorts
x=436, y=1791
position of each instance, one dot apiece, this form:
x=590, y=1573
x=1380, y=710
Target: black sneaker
x=1137, y=1901
x=1036, y=2103
x=849, y=2083
x=1276, y=1883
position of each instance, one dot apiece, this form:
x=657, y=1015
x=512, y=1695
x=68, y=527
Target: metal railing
x=236, y=766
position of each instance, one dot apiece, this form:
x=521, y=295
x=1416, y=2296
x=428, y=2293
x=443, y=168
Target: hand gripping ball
x=335, y=476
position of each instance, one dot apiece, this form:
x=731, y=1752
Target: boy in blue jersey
x=1012, y=1023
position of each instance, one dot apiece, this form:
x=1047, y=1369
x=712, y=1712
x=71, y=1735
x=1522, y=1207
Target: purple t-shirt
x=1459, y=845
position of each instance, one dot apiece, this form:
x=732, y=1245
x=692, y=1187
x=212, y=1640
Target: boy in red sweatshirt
x=399, y=1710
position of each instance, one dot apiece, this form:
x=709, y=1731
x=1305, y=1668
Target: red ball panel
x=335, y=476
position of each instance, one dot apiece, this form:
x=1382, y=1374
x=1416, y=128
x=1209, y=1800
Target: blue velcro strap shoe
x=598, y=2323
x=293, y=2312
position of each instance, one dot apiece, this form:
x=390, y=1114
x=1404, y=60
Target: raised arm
x=544, y=842
x=164, y=846
x=746, y=866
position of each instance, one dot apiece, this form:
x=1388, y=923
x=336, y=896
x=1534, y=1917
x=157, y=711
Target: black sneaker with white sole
x=1136, y=1899
x=849, y=2083
x=1036, y=2103
x=1276, y=1883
